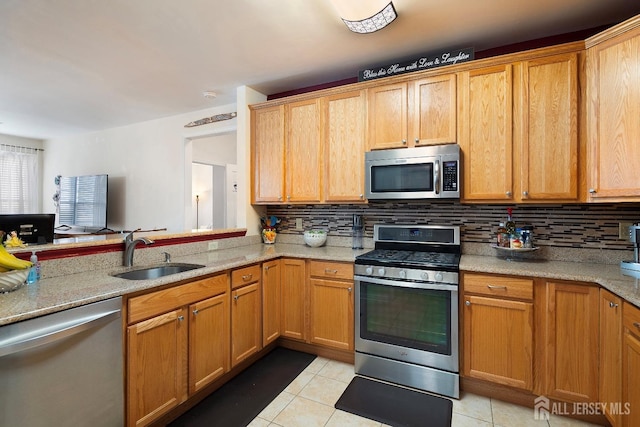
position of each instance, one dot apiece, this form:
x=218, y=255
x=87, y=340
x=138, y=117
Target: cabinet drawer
x=631, y=318
x=499, y=286
x=155, y=303
x=244, y=276
x=331, y=270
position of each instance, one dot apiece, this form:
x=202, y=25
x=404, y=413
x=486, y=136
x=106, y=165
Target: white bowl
x=12, y=280
x=315, y=238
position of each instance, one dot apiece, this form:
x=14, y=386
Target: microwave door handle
x=436, y=176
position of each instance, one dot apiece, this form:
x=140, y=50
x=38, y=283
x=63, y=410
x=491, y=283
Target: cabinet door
x=433, y=116
x=498, y=341
x=614, y=108
x=387, y=116
x=331, y=318
x=209, y=336
x=268, y=154
x=610, y=379
x=246, y=322
x=486, y=137
x=271, y=301
x=571, y=342
x=548, y=154
x=344, y=147
x=293, y=298
x=154, y=346
x=304, y=152
x=631, y=373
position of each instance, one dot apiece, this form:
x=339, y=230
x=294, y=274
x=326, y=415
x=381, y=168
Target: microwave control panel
x=450, y=175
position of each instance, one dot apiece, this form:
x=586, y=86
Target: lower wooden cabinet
x=293, y=281
x=271, y=301
x=631, y=366
x=331, y=305
x=498, y=330
x=568, y=326
x=176, y=344
x=610, y=373
x=246, y=313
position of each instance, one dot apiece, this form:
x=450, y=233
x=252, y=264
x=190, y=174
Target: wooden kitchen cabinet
x=268, y=154
x=498, y=329
x=293, y=279
x=485, y=99
x=631, y=366
x=304, y=152
x=271, y=301
x=246, y=313
x=415, y=113
x=209, y=341
x=567, y=326
x=610, y=374
x=613, y=108
x=331, y=304
x=344, y=146
x=547, y=159
x=164, y=335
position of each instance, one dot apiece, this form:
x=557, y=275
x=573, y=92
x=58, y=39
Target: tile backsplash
x=585, y=226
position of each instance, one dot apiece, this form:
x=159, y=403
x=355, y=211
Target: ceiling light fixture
x=366, y=16
x=209, y=94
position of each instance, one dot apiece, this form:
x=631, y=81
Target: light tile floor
x=308, y=402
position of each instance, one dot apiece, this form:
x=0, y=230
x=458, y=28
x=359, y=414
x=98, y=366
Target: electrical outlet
x=299, y=224
x=213, y=246
x=623, y=230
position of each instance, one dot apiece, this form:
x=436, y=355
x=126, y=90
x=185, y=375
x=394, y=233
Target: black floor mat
x=240, y=400
x=394, y=406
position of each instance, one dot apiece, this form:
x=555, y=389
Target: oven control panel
x=417, y=275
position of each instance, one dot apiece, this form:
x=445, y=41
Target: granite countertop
x=59, y=293
x=54, y=294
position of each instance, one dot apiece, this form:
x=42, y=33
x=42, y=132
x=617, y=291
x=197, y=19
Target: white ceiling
x=76, y=66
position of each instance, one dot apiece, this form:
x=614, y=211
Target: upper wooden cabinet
x=613, y=67
x=414, y=113
x=547, y=112
x=267, y=130
x=344, y=146
x=485, y=98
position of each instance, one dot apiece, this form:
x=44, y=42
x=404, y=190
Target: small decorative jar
x=269, y=235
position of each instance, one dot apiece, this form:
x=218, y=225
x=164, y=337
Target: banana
x=9, y=261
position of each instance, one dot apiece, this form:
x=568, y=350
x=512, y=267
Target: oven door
x=413, y=322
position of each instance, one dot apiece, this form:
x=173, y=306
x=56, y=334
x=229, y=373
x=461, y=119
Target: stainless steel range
x=406, y=328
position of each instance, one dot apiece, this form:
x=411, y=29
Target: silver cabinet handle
x=288, y=198
x=636, y=324
x=467, y=303
x=195, y=311
x=267, y=267
x=327, y=271
x=508, y=193
x=592, y=190
x=235, y=297
x=361, y=196
x=247, y=277
x=349, y=289
x=612, y=304
x=496, y=287
x=280, y=198
x=404, y=141
x=525, y=193
x=417, y=140
x=181, y=318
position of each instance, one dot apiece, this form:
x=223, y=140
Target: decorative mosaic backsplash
x=593, y=226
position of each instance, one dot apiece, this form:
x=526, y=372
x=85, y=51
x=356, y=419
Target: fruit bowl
x=12, y=280
x=315, y=238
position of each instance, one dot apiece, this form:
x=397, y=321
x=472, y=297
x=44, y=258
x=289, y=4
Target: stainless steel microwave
x=431, y=172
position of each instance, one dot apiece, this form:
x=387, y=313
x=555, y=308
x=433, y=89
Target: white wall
x=145, y=163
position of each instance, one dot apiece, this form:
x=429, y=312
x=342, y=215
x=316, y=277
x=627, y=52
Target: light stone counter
x=606, y=275
x=62, y=292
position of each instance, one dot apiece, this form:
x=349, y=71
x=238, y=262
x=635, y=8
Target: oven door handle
x=406, y=284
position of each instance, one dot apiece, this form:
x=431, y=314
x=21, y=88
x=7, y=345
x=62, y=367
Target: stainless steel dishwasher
x=64, y=369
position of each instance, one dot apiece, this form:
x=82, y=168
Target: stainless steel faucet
x=130, y=245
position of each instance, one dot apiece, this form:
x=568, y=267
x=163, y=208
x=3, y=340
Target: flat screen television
x=83, y=202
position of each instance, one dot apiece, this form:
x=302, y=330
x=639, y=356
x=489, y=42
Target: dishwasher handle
x=48, y=335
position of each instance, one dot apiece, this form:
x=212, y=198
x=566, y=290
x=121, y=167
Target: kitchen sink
x=157, y=271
